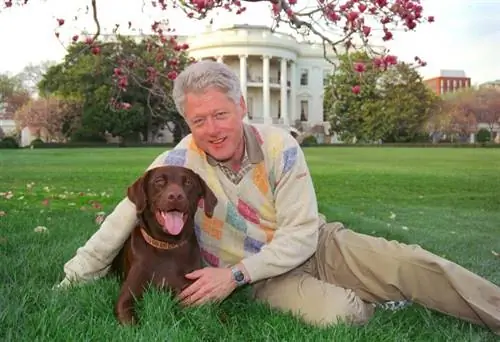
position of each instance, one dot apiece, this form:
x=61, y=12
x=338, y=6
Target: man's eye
x=198, y=122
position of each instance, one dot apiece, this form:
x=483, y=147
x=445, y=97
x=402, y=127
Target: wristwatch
x=238, y=276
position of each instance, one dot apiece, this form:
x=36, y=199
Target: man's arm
x=94, y=258
x=296, y=237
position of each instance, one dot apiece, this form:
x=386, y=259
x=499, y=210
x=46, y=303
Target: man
x=267, y=232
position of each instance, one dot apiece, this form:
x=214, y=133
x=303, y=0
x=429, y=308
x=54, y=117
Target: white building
x=281, y=78
x=7, y=123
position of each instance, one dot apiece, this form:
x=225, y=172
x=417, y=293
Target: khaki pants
x=350, y=270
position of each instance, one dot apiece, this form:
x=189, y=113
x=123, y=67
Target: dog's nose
x=175, y=196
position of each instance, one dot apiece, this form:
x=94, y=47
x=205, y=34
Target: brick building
x=448, y=81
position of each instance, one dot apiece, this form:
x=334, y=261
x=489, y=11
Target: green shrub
x=483, y=135
x=87, y=135
x=37, y=142
x=309, y=141
x=9, y=142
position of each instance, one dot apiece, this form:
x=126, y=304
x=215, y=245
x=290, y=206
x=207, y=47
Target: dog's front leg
x=132, y=291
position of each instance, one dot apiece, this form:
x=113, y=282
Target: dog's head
x=169, y=195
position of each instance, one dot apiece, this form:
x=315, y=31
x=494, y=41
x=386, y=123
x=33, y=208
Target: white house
x=281, y=78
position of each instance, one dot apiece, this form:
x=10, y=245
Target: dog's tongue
x=173, y=222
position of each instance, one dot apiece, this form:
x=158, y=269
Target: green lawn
x=447, y=200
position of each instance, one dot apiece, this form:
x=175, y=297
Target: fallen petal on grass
x=393, y=216
x=2, y=213
x=495, y=254
x=100, y=216
x=8, y=194
x=95, y=204
x=40, y=229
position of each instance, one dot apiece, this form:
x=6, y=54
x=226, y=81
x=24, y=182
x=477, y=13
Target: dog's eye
x=188, y=182
x=159, y=181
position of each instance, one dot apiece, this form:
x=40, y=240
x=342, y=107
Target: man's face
x=216, y=123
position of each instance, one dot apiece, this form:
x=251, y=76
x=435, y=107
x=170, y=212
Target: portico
x=263, y=78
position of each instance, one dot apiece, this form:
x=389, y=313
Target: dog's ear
x=137, y=194
x=209, y=199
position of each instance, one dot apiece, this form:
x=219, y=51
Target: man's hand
x=211, y=284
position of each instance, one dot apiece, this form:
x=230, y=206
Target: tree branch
x=96, y=20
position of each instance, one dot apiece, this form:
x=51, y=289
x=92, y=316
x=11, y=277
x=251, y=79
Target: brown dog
x=163, y=246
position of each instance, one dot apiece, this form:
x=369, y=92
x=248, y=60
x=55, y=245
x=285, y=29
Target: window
x=326, y=74
x=304, y=110
x=279, y=109
x=304, y=77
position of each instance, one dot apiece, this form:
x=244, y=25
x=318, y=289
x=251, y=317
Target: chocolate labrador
x=163, y=246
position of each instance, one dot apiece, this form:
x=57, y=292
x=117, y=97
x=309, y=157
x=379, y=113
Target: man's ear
x=137, y=194
x=243, y=107
x=209, y=199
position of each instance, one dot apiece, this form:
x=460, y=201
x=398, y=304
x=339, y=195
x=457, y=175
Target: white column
x=266, y=101
x=220, y=59
x=284, y=92
x=243, y=80
x=293, y=92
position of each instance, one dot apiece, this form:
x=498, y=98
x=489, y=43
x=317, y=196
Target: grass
x=447, y=200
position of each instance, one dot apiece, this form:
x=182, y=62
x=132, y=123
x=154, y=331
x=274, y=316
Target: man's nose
x=211, y=126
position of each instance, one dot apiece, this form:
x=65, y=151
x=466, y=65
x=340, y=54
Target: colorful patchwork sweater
x=268, y=220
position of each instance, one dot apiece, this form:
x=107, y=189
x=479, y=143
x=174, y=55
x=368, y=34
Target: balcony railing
x=260, y=119
x=260, y=79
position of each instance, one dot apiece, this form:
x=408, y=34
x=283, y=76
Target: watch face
x=239, y=276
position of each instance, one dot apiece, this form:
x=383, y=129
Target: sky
x=465, y=34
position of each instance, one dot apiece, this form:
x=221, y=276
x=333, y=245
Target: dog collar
x=160, y=244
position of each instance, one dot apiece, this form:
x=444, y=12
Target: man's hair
x=202, y=75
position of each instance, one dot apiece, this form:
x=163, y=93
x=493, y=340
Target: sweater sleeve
x=296, y=237
x=93, y=259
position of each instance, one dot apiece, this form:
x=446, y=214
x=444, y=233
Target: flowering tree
x=458, y=114
x=59, y=117
x=392, y=106
x=15, y=101
x=487, y=107
x=342, y=25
